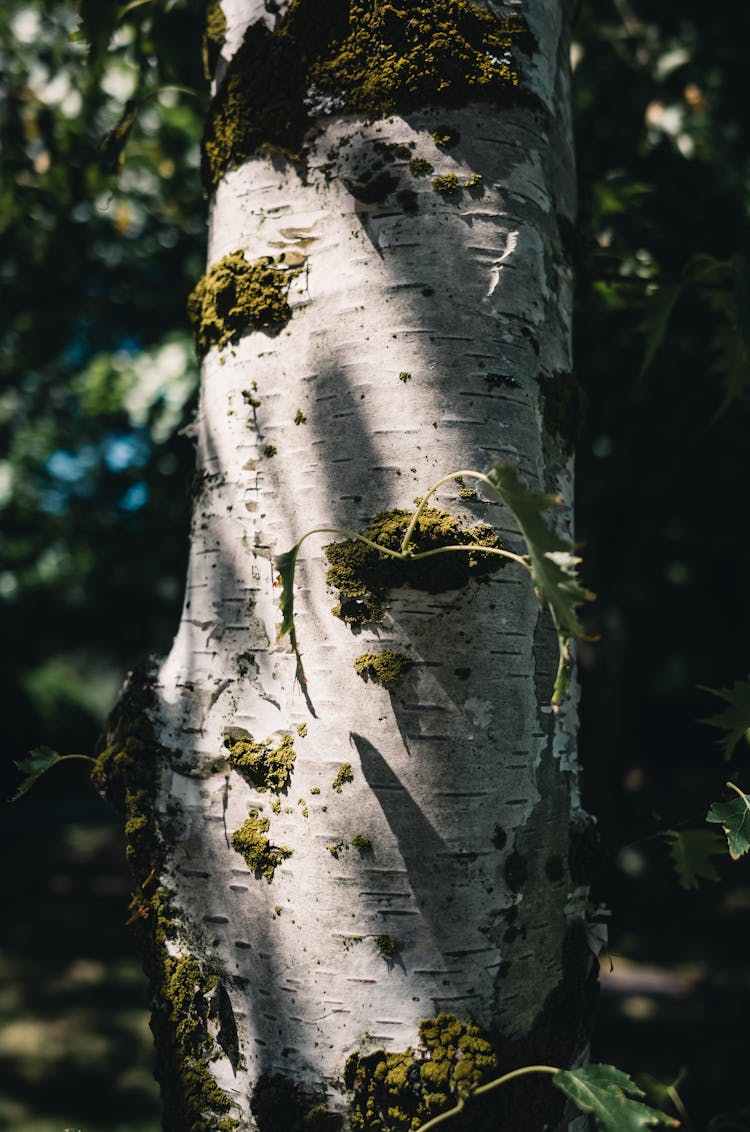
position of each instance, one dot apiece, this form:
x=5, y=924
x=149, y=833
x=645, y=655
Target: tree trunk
x=362, y=879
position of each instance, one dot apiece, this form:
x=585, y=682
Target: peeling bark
x=422, y=327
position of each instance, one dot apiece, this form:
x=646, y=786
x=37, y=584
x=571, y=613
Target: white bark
x=464, y=289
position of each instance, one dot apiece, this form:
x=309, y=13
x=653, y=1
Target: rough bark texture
x=304, y=913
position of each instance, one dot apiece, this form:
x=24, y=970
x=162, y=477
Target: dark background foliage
x=102, y=220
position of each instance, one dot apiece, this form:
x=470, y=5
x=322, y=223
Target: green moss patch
x=330, y=55
x=265, y=766
x=251, y=842
x=183, y=1005
x=362, y=576
x=400, y=1092
x=179, y=986
x=235, y=296
x=384, y=668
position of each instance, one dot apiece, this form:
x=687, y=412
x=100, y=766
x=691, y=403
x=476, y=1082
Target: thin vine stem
x=471, y=546
x=741, y=793
x=355, y=535
x=431, y=492
x=404, y=556
x=498, y=1081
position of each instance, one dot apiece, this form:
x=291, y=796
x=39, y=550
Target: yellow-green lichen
x=336, y=847
x=384, y=668
x=266, y=766
x=235, y=296
x=447, y=185
x=421, y=167
x=270, y=450
x=343, y=775
x=300, y=418
x=402, y=1091
x=445, y=137
x=362, y=843
x=214, y=36
x=362, y=576
x=473, y=182
x=385, y=945
x=216, y=22
x=404, y=376
x=302, y=730
x=251, y=842
x=325, y=56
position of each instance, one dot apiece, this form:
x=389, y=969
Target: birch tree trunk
x=357, y=895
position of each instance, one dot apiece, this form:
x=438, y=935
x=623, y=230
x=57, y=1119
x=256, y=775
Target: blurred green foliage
x=102, y=237
x=97, y=373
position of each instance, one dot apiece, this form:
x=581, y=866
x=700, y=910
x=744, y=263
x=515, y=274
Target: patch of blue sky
x=71, y=467
x=135, y=497
x=126, y=450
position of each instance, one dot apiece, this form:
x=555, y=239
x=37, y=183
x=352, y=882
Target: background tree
x=663, y=185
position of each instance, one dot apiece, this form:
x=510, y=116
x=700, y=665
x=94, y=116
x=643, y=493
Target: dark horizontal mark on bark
x=462, y=793
x=468, y=951
x=388, y=895
x=430, y=738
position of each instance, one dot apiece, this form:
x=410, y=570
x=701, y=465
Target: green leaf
x=691, y=851
x=659, y=309
x=553, y=563
x=734, y=818
x=286, y=564
x=608, y=1093
x=734, y=720
x=33, y=766
x=724, y=285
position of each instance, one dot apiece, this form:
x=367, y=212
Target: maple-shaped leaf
x=33, y=766
x=553, y=563
x=734, y=719
x=609, y=1094
x=691, y=851
x=658, y=312
x=734, y=818
x=724, y=285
